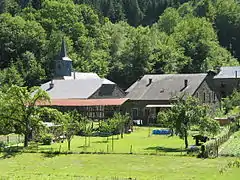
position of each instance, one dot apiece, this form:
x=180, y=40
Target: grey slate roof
x=85, y=76
x=82, y=75
x=228, y=72
x=72, y=89
x=164, y=86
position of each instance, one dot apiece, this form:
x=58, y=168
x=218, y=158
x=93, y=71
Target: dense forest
x=118, y=39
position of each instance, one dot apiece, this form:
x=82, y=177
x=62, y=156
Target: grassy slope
x=139, y=140
x=38, y=166
x=232, y=146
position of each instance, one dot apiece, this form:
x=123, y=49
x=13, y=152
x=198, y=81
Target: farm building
x=94, y=97
x=153, y=93
x=227, y=79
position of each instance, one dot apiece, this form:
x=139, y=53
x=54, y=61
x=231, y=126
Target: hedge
x=210, y=148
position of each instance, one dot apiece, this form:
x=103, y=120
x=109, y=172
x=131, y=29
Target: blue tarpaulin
x=161, y=131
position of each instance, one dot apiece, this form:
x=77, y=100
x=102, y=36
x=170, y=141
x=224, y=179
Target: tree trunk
x=26, y=134
x=26, y=140
x=69, y=144
x=122, y=131
x=186, y=139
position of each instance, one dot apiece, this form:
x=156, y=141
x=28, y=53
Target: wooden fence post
x=60, y=148
x=112, y=144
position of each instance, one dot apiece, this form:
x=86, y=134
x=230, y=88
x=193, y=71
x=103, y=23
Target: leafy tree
x=18, y=108
x=168, y=20
x=71, y=126
x=186, y=113
x=164, y=119
x=10, y=76
x=197, y=37
x=73, y=123
x=167, y=55
x=122, y=122
x=31, y=70
x=227, y=23
x=231, y=101
x=10, y=6
x=137, y=51
x=135, y=12
x=18, y=36
x=115, y=125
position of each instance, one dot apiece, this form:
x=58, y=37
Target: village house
x=93, y=96
x=153, y=93
x=227, y=80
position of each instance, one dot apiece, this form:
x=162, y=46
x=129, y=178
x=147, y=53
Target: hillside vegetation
x=121, y=40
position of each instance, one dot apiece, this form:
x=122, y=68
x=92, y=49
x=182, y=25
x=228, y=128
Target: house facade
x=154, y=93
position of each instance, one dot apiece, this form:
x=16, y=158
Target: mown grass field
x=232, y=146
x=137, y=142
x=113, y=166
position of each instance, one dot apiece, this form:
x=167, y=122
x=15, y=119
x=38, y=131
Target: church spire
x=63, y=65
x=63, y=52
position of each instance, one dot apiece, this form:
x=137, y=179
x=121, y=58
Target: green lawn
x=93, y=166
x=139, y=141
x=232, y=146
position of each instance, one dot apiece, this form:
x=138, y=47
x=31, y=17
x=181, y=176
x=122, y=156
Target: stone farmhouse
x=153, y=93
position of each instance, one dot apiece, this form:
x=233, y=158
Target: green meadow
x=113, y=167
x=139, y=155
x=141, y=141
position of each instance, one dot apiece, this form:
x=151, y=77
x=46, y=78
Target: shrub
x=2, y=145
x=47, y=139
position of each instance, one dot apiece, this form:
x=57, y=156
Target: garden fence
x=211, y=148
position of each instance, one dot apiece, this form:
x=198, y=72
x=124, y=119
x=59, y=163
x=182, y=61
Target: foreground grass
x=232, y=146
x=43, y=166
x=137, y=142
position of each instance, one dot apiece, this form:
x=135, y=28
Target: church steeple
x=63, y=63
x=63, y=52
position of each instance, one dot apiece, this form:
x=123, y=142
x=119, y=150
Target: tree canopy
x=19, y=113
x=186, y=113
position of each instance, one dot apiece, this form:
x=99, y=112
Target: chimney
x=51, y=85
x=185, y=83
x=149, y=81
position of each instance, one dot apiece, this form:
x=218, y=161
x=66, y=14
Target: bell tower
x=63, y=66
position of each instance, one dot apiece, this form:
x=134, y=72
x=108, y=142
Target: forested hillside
x=118, y=39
